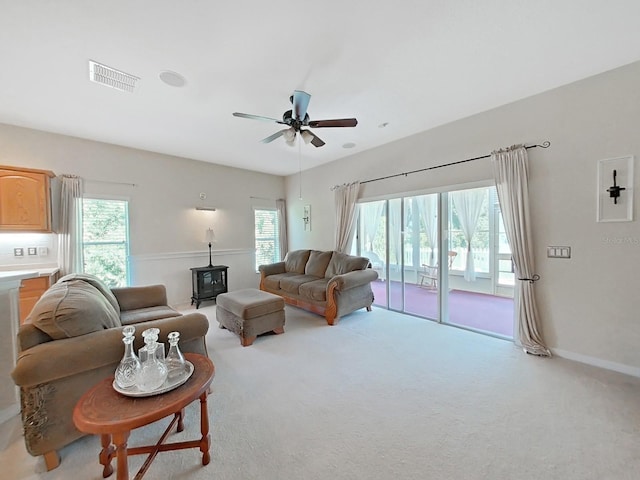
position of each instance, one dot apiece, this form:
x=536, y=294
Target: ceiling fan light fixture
x=307, y=136
x=290, y=136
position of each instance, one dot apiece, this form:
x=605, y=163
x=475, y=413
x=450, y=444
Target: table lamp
x=209, y=237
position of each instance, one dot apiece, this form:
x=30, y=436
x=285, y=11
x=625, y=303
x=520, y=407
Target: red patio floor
x=479, y=311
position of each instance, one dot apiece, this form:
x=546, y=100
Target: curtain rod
x=545, y=144
x=91, y=180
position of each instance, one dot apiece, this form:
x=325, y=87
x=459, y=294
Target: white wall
x=589, y=304
x=166, y=231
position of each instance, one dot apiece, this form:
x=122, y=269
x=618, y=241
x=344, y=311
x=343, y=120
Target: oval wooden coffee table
x=105, y=412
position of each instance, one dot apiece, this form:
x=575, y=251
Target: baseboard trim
x=8, y=413
x=597, y=362
x=176, y=255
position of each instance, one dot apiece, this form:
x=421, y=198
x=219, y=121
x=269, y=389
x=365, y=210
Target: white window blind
x=105, y=239
x=266, y=235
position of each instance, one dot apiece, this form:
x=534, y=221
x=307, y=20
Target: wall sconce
x=203, y=196
x=306, y=217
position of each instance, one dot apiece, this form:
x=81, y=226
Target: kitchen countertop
x=11, y=273
x=18, y=275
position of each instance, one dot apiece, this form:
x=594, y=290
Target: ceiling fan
x=296, y=118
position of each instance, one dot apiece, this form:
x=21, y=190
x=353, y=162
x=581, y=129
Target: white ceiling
x=415, y=64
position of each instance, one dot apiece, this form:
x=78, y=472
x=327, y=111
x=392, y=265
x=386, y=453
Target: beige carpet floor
x=385, y=396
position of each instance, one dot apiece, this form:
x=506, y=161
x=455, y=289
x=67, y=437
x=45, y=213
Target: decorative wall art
x=306, y=217
x=615, y=189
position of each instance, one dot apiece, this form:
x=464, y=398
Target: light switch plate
x=558, y=252
x=32, y=251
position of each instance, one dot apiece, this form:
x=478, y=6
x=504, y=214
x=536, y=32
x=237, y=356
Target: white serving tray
x=168, y=385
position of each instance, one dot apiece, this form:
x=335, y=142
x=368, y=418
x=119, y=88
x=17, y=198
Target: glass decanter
x=129, y=367
x=154, y=371
x=175, y=360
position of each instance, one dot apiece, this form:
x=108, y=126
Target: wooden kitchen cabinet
x=25, y=199
x=31, y=289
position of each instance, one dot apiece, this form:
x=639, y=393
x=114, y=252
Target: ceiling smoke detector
x=110, y=77
x=173, y=79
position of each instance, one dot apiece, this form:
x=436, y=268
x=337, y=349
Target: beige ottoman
x=249, y=313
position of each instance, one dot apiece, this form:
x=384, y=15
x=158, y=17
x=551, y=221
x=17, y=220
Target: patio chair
x=428, y=276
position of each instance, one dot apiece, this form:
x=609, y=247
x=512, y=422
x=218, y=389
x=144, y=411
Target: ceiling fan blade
x=337, y=122
x=271, y=138
x=300, y=103
x=256, y=117
x=309, y=137
x=317, y=141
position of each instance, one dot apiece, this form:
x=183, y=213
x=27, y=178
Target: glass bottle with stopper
x=175, y=362
x=154, y=371
x=129, y=367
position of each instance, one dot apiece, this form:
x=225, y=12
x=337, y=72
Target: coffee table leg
x=106, y=454
x=205, y=441
x=180, y=416
x=120, y=440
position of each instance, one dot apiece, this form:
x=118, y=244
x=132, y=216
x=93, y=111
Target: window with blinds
x=267, y=236
x=105, y=240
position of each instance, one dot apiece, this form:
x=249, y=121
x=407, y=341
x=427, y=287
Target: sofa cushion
x=96, y=282
x=296, y=260
x=272, y=282
x=317, y=263
x=73, y=308
x=342, y=263
x=316, y=290
x=130, y=317
x=292, y=284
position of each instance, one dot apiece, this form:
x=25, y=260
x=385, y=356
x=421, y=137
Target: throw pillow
x=73, y=308
x=296, y=260
x=317, y=263
x=97, y=283
x=342, y=263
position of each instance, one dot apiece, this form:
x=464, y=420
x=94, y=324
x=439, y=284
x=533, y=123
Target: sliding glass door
x=441, y=256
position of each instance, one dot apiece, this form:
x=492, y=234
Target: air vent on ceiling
x=111, y=77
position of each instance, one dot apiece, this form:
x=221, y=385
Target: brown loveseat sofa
x=330, y=283
x=72, y=339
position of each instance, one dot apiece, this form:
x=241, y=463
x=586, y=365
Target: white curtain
x=70, y=257
x=395, y=234
x=469, y=205
x=371, y=215
x=428, y=208
x=511, y=176
x=281, y=206
x=346, y=215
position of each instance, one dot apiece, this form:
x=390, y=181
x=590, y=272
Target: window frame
x=127, y=242
x=275, y=239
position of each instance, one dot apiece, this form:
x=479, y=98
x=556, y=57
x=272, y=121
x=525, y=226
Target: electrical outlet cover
x=32, y=251
x=18, y=252
x=43, y=251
